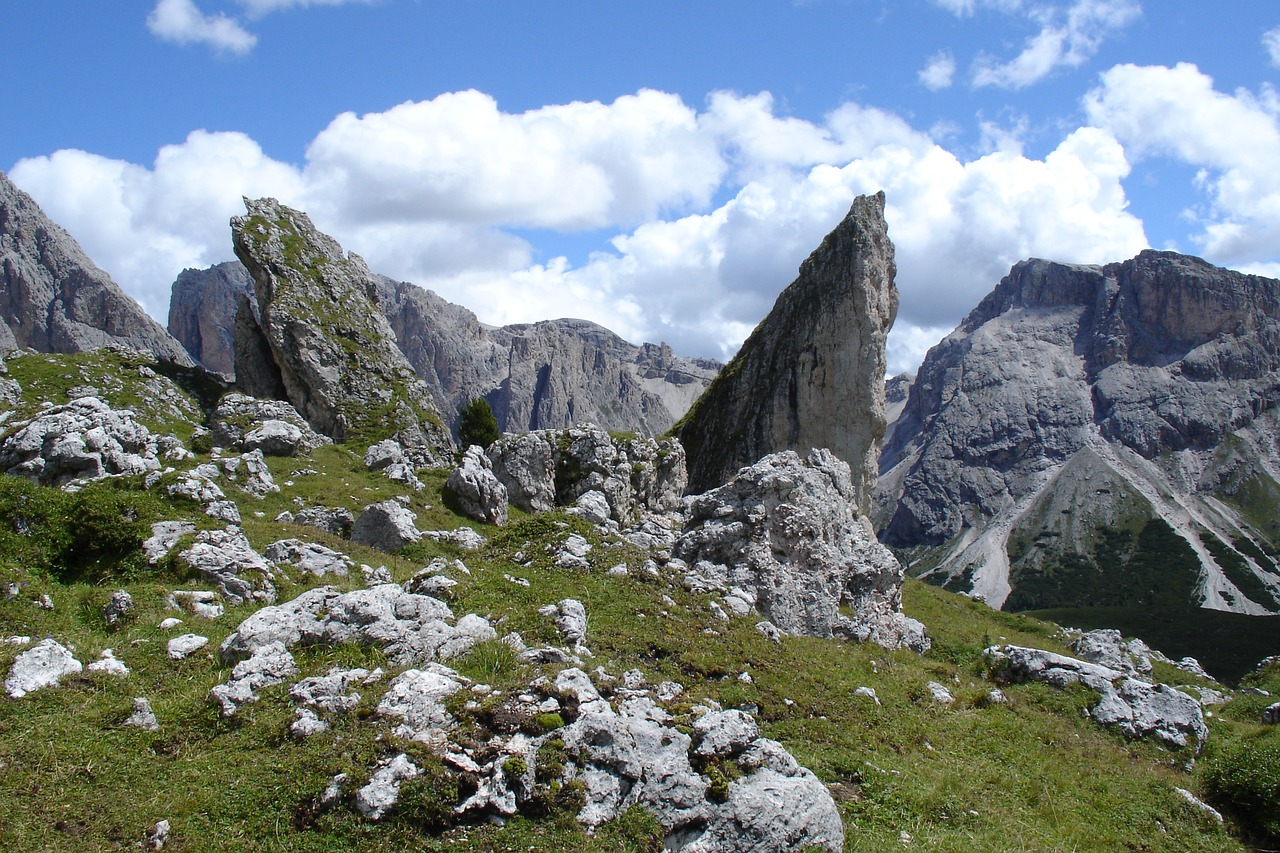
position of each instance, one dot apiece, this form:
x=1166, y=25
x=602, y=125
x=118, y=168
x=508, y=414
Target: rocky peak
x=202, y=308
x=55, y=299
x=333, y=350
x=812, y=373
x=1082, y=411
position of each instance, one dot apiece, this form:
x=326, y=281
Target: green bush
x=1245, y=782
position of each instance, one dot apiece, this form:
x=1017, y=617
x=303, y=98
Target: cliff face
x=1081, y=422
x=55, y=299
x=812, y=373
x=202, y=306
x=547, y=375
x=332, y=349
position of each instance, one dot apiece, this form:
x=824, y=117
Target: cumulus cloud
x=938, y=72
x=181, y=22
x=449, y=193
x=1069, y=34
x=1233, y=140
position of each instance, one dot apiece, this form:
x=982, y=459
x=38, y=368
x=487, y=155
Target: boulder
x=335, y=521
x=118, y=608
x=375, y=799
x=785, y=535
x=142, y=717
x=415, y=699
x=313, y=559
x=475, y=489
x=387, y=526
x=42, y=665
x=274, y=427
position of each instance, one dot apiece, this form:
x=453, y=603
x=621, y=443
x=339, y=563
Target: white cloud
x=180, y=21
x=459, y=158
x=1233, y=140
x=1070, y=33
x=258, y=8
x=428, y=192
x=938, y=72
x=1271, y=41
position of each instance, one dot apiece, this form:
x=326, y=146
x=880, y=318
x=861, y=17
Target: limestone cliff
x=333, y=350
x=1098, y=436
x=202, y=308
x=55, y=299
x=812, y=373
x=547, y=375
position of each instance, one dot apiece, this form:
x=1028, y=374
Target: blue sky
x=661, y=168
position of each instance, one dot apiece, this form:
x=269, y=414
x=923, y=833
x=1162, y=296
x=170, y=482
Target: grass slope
x=1030, y=775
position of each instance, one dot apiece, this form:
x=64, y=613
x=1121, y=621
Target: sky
x=661, y=168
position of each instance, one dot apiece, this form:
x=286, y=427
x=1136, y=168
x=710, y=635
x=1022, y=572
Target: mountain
x=55, y=299
x=1098, y=436
x=545, y=375
x=812, y=373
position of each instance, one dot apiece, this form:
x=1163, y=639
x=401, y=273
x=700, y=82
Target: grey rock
x=387, y=526
x=724, y=734
x=1271, y=714
x=56, y=299
x=108, y=664
x=335, y=352
x=334, y=693
x=1136, y=707
x=476, y=490
x=939, y=693
x=463, y=537
x=415, y=698
x=186, y=645
x=118, y=608
x=1199, y=804
x=375, y=799
x=250, y=473
x=197, y=602
x=785, y=532
x=1076, y=400
x=551, y=468
x=571, y=620
x=164, y=536
x=84, y=439
x=43, y=665
x=336, y=521
x=226, y=559
x=142, y=717
x=812, y=373
x=409, y=628
x=313, y=559
x=269, y=664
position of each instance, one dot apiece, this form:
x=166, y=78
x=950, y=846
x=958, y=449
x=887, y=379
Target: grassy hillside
x=1030, y=775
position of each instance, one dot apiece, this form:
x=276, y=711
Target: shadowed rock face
x=334, y=352
x=547, y=375
x=812, y=373
x=202, y=308
x=1078, y=403
x=54, y=299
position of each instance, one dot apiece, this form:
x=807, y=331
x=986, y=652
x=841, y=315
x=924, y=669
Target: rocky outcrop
x=783, y=537
x=549, y=468
x=812, y=373
x=44, y=665
x=83, y=440
x=547, y=375
x=54, y=299
x=476, y=490
x=332, y=348
x=274, y=427
x=202, y=310
x=1097, y=436
x=1137, y=707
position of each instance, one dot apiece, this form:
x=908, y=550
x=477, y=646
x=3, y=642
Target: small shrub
x=1245, y=782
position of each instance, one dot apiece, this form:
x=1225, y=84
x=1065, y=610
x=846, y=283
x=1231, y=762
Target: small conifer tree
x=476, y=424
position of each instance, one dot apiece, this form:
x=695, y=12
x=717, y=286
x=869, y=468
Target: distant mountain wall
x=546, y=375
x=54, y=299
x=1098, y=436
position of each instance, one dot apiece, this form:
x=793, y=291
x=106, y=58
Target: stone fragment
x=415, y=698
x=939, y=693
x=108, y=664
x=315, y=560
x=142, y=717
x=118, y=608
x=1271, y=714
x=164, y=536
x=334, y=521
x=375, y=799
x=269, y=664
x=186, y=645
x=226, y=559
